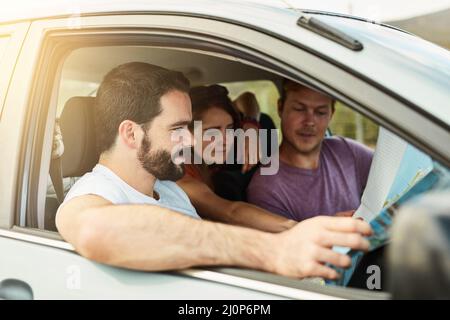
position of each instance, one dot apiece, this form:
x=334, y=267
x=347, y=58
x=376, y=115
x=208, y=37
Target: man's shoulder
x=171, y=189
x=95, y=183
x=343, y=145
x=168, y=185
x=174, y=197
x=338, y=141
x=264, y=181
x=89, y=179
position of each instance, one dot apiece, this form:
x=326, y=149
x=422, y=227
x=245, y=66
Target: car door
x=33, y=97
x=39, y=258
x=52, y=270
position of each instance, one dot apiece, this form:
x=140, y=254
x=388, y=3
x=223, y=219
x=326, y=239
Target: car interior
x=81, y=74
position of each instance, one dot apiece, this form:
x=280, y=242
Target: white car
x=55, y=56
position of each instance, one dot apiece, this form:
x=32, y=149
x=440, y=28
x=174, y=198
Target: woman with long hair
x=212, y=107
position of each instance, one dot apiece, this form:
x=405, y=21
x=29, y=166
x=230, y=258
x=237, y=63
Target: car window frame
x=16, y=33
x=264, y=64
x=44, y=80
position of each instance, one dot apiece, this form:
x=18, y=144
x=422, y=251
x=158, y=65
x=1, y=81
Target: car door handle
x=13, y=289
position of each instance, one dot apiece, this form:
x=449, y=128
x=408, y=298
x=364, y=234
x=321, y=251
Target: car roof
x=31, y=9
x=403, y=64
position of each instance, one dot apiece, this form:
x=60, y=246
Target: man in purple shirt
x=317, y=175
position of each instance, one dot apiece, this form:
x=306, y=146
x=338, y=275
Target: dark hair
x=205, y=97
x=289, y=85
x=132, y=91
x=247, y=103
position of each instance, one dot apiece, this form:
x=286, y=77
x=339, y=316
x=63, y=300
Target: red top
x=192, y=171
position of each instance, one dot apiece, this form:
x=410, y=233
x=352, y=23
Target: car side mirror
x=419, y=255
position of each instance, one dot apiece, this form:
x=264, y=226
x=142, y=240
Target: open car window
x=84, y=67
x=351, y=124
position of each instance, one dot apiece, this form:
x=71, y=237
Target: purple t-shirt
x=336, y=185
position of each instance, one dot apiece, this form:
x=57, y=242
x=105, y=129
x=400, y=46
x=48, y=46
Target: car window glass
x=11, y=37
x=348, y=123
x=265, y=91
x=79, y=82
x=3, y=43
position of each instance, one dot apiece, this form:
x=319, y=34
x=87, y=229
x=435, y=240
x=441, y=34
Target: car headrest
x=78, y=134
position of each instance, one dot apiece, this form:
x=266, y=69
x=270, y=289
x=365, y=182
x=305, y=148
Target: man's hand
x=303, y=250
x=349, y=213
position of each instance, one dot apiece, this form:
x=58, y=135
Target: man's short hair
x=132, y=91
x=289, y=85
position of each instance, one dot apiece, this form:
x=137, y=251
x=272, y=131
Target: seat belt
x=56, y=173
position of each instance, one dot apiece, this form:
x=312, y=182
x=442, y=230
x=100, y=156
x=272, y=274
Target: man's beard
x=159, y=163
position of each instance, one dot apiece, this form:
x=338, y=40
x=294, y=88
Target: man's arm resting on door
x=147, y=237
